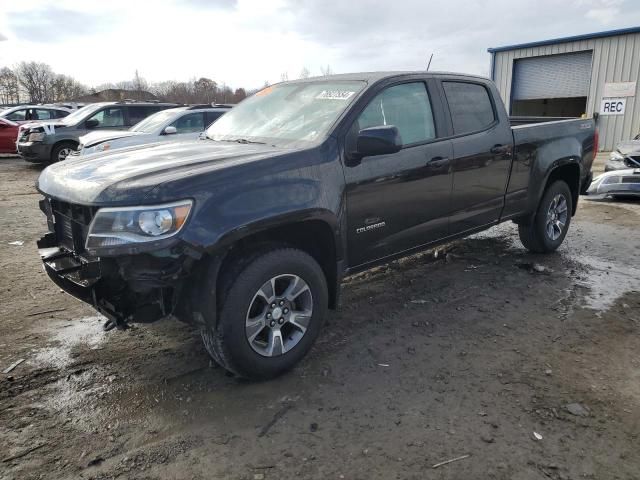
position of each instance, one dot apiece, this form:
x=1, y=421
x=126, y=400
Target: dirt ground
x=519, y=366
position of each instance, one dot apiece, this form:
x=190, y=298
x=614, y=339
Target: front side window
x=470, y=106
x=109, y=117
x=192, y=122
x=289, y=113
x=405, y=106
x=17, y=116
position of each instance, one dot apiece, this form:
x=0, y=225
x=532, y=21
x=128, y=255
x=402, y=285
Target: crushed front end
x=616, y=183
x=126, y=285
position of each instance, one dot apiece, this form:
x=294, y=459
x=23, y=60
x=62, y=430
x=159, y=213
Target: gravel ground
x=519, y=366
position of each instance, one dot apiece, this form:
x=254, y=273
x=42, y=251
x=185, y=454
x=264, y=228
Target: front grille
x=71, y=224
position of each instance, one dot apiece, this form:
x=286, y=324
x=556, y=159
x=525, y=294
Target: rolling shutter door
x=552, y=76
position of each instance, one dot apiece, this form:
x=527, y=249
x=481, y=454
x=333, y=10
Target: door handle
x=437, y=162
x=499, y=149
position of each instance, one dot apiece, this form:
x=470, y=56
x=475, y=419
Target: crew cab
x=247, y=234
x=53, y=141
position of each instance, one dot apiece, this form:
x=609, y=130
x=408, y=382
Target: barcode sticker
x=334, y=95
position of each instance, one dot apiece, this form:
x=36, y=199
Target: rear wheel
x=270, y=315
x=546, y=231
x=61, y=151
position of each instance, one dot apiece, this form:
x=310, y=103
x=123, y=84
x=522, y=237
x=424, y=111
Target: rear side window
x=470, y=106
x=212, y=117
x=61, y=113
x=405, y=106
x=140, y=113
x=42, y=114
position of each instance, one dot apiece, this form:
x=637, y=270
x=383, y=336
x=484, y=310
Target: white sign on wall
x=613, y=106
x=619, y=89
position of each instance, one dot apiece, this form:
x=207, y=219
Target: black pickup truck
x=247, y=234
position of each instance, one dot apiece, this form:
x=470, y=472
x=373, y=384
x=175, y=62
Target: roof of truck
x=371, y=77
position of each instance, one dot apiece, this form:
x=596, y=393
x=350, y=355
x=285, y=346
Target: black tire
x=59, y=148
x=226, y=340
x=534, y=234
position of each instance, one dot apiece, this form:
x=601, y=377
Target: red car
x=8, y=136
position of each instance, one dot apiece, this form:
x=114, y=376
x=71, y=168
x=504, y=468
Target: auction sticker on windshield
x=335, y=94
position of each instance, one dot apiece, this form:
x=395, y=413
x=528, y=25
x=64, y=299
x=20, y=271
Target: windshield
x=287, y=113
x=79, y=114
x=153, y=122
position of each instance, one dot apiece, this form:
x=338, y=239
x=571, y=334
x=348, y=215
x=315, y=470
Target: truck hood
x=93, y=138
x=629, y=147
x=124, y=176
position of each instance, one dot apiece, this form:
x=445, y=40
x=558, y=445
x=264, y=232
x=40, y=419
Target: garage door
x=552, y=76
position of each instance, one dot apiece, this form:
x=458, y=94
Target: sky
x=245, y=43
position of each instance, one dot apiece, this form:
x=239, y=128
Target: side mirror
x=381, y=140
x=170, y=130
x=93, y=123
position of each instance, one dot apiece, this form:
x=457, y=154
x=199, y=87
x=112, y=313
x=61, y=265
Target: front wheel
x=546, y=231
x=270, y=316
x=61, y=151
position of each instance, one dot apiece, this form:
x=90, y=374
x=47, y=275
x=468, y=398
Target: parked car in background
x=247, y=234
x=625, y=156
x=52, y=141
x=181, y=123
x=30, y=113
x=8, y=136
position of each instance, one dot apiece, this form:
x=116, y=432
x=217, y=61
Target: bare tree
x=9, y=87
x=36, y=78
x=205, y=90
x=305, y=73
x=284, y=76
x=326, y=70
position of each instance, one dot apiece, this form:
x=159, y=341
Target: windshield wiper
x=245, y=141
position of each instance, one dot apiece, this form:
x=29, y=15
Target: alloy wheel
x=279, y=315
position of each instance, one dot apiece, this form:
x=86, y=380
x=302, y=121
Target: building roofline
x=575, y=38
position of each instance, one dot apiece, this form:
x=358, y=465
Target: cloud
x=209, y=4
x=52, y=23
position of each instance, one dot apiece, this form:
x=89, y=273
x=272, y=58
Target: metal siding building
x=567, y=77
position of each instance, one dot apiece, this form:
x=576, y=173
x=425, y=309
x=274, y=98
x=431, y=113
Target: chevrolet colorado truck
x=247, y=234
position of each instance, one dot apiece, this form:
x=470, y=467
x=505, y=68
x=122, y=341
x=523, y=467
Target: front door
x=398, y=201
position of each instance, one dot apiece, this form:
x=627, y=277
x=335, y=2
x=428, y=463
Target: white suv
x=182, y=123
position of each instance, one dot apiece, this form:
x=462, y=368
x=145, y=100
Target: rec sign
x=613, y=106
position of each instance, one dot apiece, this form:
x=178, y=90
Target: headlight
x=617, y=156
x=36, y=137
x=114, y=227
x=101, y=147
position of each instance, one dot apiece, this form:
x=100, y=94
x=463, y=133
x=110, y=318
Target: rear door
x=482, y=145
x=399, y=201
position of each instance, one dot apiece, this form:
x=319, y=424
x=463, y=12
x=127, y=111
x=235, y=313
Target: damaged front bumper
x=618, y=182
x=140, y=288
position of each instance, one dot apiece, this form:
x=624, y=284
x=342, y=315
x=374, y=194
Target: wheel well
x=570, y=174
x=314, y=237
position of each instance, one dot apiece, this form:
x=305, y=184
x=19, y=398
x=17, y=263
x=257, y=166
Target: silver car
x=182, y=123
x=626, y=155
